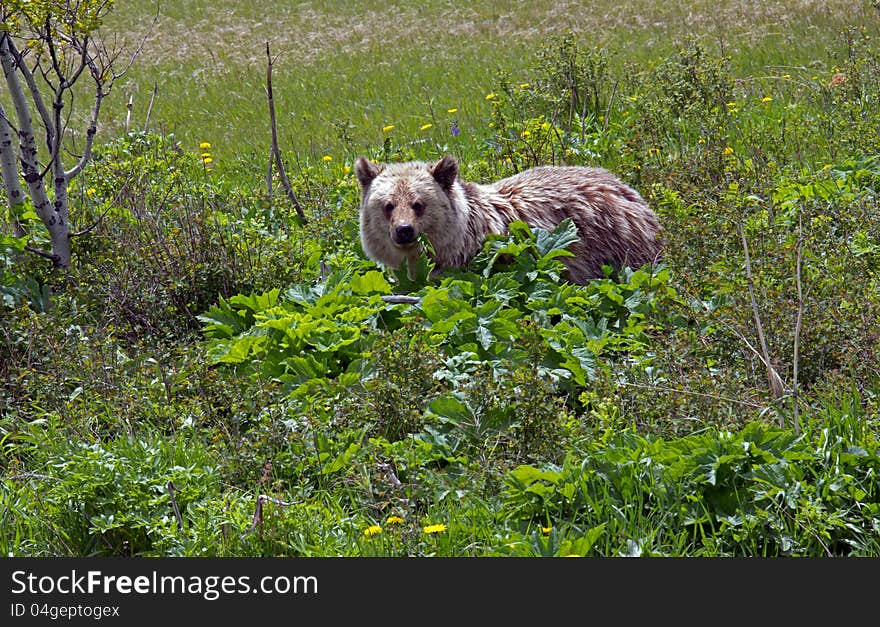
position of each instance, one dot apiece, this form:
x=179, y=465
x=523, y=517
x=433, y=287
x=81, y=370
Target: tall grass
x=345, y=70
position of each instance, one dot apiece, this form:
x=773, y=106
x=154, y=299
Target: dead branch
x=110, y=205
x=400, y=299
x=276, y=152
x=171, y=490
x=715, y=397
x=798, y=324
x=150, y=106
x=128, y=113
x=773, y=378
x=42, y=253
x=257, y=520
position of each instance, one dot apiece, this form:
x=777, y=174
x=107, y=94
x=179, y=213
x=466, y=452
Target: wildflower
x=491, y=96
x=731, y=105
x=438, y=528
x=728, y=151
x=571, y=555
x=207, y=160
x=786, y=76
x=525, y=134
x=372, y=530
x=827, y=166
x=452, y=111
x=388, y=129
x=205, y=146
x=90, y=191
x=425, y=127
x=766, y=99
x=454, y=129
x=205, y=155
x=524, y=85
x=394, y=520
x=326, y=158
x=546, y=530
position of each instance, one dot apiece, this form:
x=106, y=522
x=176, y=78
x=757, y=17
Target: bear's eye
x=418, y=207
x=389, y=209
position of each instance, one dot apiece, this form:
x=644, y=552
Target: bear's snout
x=404, y=234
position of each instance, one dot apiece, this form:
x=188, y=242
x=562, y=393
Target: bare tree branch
x=798, y=324
x=150, y=107
x=773, y=378
x=275, y=150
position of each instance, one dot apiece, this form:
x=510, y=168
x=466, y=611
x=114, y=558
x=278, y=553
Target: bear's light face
x=400, y=202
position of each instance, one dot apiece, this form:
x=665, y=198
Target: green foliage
x=504, y=411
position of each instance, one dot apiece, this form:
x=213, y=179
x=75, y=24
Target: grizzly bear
x=400, y=201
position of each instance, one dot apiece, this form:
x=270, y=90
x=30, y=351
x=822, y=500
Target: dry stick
x=257, y=520
x=170, y=487
x=275, y=151
x=128, y=113
x=269, y=171
x=150, y=107
x=798, y=324
x=401, y=299
x=716, y=397
x=773, y=378
x=109, y=206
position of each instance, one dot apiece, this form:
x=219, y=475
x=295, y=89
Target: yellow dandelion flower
x=731, y=105
x=491, y=96
x=452, y=111
x=425, y=127
x=207, y=160
x=90, y=191
x=766, y=99
x=786, y=76
x=438, y=528
x=571, y=555
x=205, y=146
x=205, y=155
x=525, y=134
x=388, y=129
x=827, y=166
x=728, y=151
x=524, y=85
x=346, y=169
x=394, y=520
x=372, y=530
x=326, y=158
x=546, y=530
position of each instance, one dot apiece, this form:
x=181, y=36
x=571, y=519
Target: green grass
x=351, y=63
x=204, y=337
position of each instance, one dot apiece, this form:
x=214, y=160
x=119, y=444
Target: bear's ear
x=445, y=172
x=365, y=171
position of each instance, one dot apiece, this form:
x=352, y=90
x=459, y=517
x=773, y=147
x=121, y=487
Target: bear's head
x=400, y=202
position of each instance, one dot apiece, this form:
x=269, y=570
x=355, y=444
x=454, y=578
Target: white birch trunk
x=9, y=169
x=54, y=217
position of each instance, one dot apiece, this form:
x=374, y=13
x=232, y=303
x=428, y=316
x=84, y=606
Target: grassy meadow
x=346, y=70
x=213, y=378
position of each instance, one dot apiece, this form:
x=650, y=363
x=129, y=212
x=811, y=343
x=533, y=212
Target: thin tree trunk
x=11, y=182
x=773, y=378
x=56, y=223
